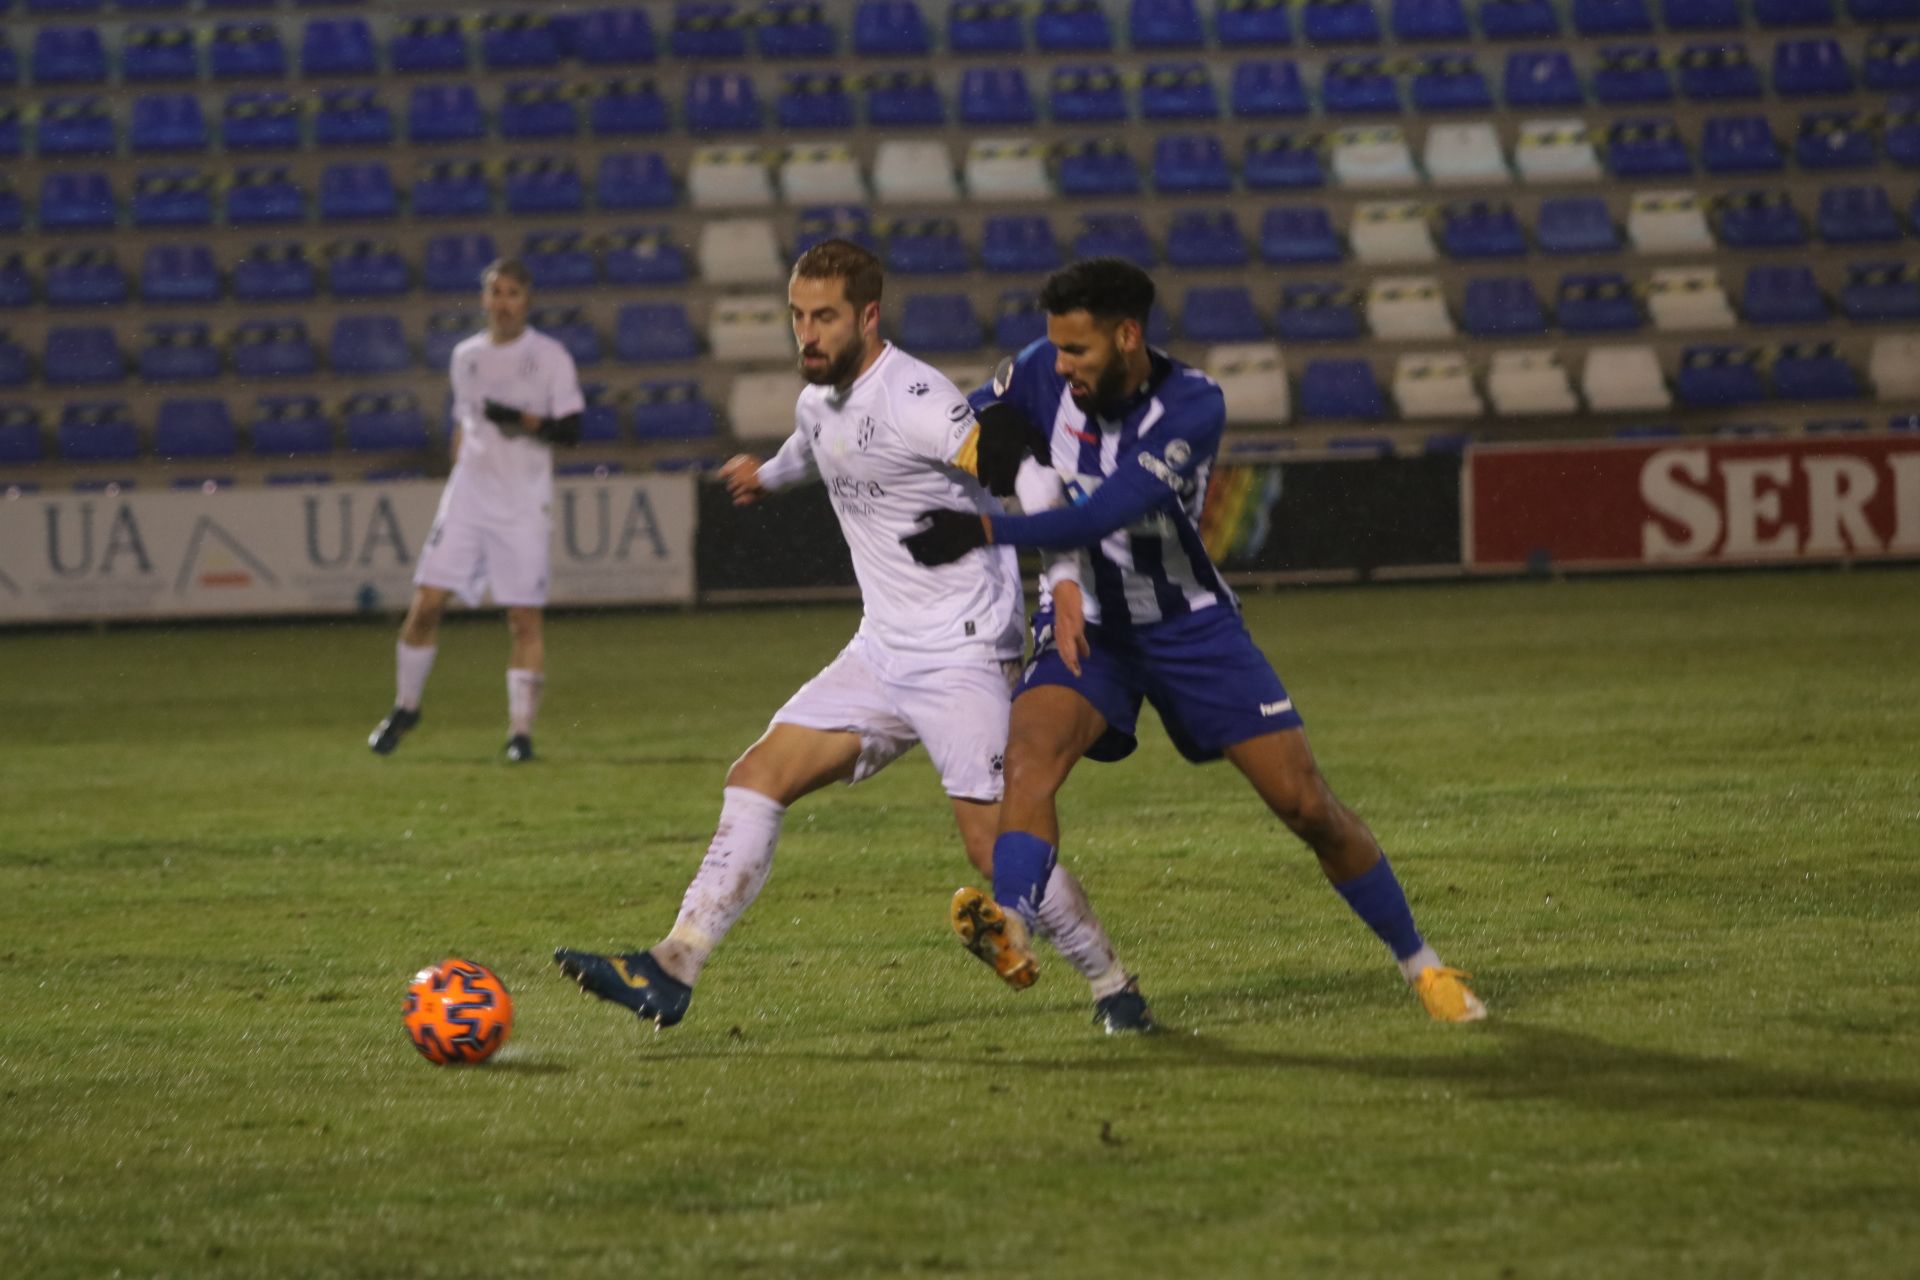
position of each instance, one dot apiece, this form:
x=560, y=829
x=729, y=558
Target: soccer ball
x=457, y=1011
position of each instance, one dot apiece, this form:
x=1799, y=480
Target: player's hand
x=1070, y=625
x=948, y=536
x=509, y=419
x=1007, y=439
x=741, y=473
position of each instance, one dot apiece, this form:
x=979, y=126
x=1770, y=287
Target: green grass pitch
x=1672, y=826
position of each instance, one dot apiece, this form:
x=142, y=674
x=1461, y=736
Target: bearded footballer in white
x=931, y=663
x=515, y=395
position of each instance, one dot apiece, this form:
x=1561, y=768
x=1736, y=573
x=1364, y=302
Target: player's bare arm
x=741, y=474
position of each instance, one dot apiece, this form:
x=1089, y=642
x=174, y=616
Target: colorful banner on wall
x=1334, y=514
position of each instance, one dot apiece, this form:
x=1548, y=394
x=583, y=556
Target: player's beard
x=1109, y=390
x=838, y=370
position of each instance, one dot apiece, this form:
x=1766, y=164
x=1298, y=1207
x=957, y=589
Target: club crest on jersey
x=864, y=433
x=1177, y=454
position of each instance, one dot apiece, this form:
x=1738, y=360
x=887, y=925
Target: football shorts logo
x=1177, y=454
x=996, y=763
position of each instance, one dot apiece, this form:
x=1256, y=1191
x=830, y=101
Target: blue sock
x=1375, y=897
x=1022, y=862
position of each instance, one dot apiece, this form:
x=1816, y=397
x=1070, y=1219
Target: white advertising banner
x=319, y=549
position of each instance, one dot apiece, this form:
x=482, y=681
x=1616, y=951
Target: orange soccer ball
x=458, y=1011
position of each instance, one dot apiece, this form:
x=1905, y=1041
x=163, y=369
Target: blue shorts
x=1202, y=672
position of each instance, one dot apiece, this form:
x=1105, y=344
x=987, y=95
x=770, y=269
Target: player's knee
x=1032, y=770
x=524, y=624
x=1306, y=805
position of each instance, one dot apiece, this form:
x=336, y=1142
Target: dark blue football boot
x=634, y=980
x=1124, y=1010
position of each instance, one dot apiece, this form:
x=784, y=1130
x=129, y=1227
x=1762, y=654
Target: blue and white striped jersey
x=1135, y=486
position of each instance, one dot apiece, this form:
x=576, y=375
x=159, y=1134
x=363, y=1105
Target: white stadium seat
x=1894, y=366
x=1253, y=378
x=740, y=251
x=729, y=178
x=1522, y=383
x=822, y=175
x=760, y=404
x=1464, y=154
x=1436, y=385
x=1556, y=151
x=1391, y=231
x=1007, y=169
x=1669, y=222
x=1624, y=379
x=1401, y=307
x=1373, y=156
x=1688, y=298
x=914, y=172
x=750, y=329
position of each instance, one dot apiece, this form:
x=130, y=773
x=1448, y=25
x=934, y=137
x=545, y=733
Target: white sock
x=1419, y=962
x=523, y=698
x=410, y=668
x=729, y=879
x=1068, y=922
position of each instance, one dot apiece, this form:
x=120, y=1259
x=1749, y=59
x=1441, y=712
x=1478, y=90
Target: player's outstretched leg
x=633, y=979
x=1124, y=1010
x=999, y=938
x=387, y=734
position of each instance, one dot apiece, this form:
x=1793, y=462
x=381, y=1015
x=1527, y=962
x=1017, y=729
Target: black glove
x=504, y=416
x=561, y=430
x=948, y=536
x=1007, y=438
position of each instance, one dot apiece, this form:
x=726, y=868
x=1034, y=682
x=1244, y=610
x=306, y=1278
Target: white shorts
x=958, y=709
x=469, y=557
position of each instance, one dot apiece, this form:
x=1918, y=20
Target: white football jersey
x=498, y=476
x=885, y=453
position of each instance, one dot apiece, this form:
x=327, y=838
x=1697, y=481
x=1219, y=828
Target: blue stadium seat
x=1018, y=321
x=1602, y=303
x=1576, y=224
x=1318, y=311
x=627, y=107
x=1018, y=243
x=925, y=246
x=366, y=269
x=15, y=366
x=1631, y=73
x=83, y=278
x=672, y=410
x=559, y=260
x=544, y=184
x=995, y=96
x=9, y=63
x=1165, y=24
x=1712, y=377
x=69, y=55
x=1813, y=371
x=82, y=355
x=445, y=113
x=834, y=222
x=1760, y=220
x=451, y=188
x=1186, y=164
x=985, y=27
x=159, y=52
x=1541, y=78
x=1201, y=238
x=536, y=109
x=247, y=51
x=199, y=428
x=890, y=29
x=289, y=426
x=721, y=102
x=272, y=349
x=1339, y=22
x=16, y=286
x=172, y=198
x=1892, y=63
x=707, y=29
x=75, y=127
x=97, y=431
x=1739, y=144
x=1611, y=17
x=1518, y=19
x=1701, y=15
x=654, y=332
x=276, y=272
x=167, y=122
x=20, y=441
x=620, y=37
x=1901, y=127
x=1359, y=86
x=1081, y=95
x=1646, y=148
x=1430, y=20
x=814, y=100
x=337, y=47
x=1267, y=87
x=260, y=121
x=1114, y=235
x=1881, y=291
x=352, y=118
x=427, y=43
x=350, y=192
x=1450, y=82
x=445, y=331
x=1221, y=313
x=1793, y=13
x=1835, y=140
x=81, y=201
x=1098, y=167
x=1291, y=234
x=1718, y=73
x=904, y=99
x=599, y=420
x=645, y=257
x=634, y=180
x=1856, y=215
x=379, y=421
x=368, y=344
x=569, y=327
x=1343, y=390
x=1178, y=91
x=1871, y=11
x=1481, y=229
x=1781, y=295
x=10, y=137
x=1072, y=26
x=939, y=322
x=179, y=273
x=518, y=41
x=263, y=194
x=1807, y=68
x=1501, y=306
x=1281, y=161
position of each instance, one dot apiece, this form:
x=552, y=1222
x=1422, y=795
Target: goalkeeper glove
x=1007, y=438
x=948, y=536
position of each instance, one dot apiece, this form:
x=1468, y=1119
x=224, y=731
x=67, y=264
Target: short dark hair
x=847, y=261
x=1104, y=288
x=512, y=268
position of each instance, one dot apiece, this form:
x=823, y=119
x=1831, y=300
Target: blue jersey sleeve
x=1028, y=382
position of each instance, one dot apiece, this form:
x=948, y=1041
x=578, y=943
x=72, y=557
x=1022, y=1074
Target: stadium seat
x=1892, y=63
x=290, y=426
x=97, y=431
x=1450, y=82
x=1292, y=234
x=518, y=41
x=925, y=246
x=16, y=286
x=163, y=122
x=1281, y=161
x=1813, y=371
x=20, y=440
x=1555, y=151
x=1165, y=24
x=200, y=428
x=1359, y=86
x=1183, y=164
x=1760, y=220
x=275, y=273
x=634, y=180
x=1402, y=308
x=1464, y=155
x=913, y=173
x=1072, y=26
x=618, y=37
x=1324, y=22
x=1391, y=231
x=1115, y=235
x=264, y=194
x=1714, y=377
x=1342, y=390
x=272, y=349
x=1518, y=19
x=532, y=110
x=1701, y=15
x=814, y=100
x=627, y=107
x=1529, y=384
x=826, y=173
x=1739, y=144
x=445, y=113
x=453, y=263
x=83, y=278
x=599, y=421
x=703, y=29
x=1318, y=311
x=1266, y=88
x=995, y=96
x=11, y=141
x=15, y=367
x=939, y=323
x=355, y=192
x=1810, y=68
x=1481, y=229
x=1007, y=169
x=645, y=257
x=422, y=43
x=445, y=331
x=1018, y=320
x=543, y=184
x=1631, y=74
x=1104, y=167
x=1541, y=78
x=890, y=29
x=1436, y=385
x=1502, y=306
x=1221, y=313
x=834, y=222
x=352, y=118
x=1202, y=238
x=81, y=201
x=733, y=177
x=1835, y=140
x=1857, y=215
x=1178, y=91
x=655, y=332
x=1611, y=17
x=1252, y=377
x=1893, y=366
x=1086, y=95
x=1668, y=222
x=904, y=99
x=570, y=327
x=337, y=47
x=1373, y=156
x=366, y=269
x=159, y=52
x=1688, y=298
x=559, y=260
x=751, y=329
x=260, y=121
x=69, y=55
x=1602, y=303
x=1018, y=243
x=75, y=127
x=1623, y=380
x=675, y=410
x=368, y=344
x=1718, y=73
x=82, y=355
x=451, y=189
x=739, y=251
x=247, y=51
x=376, y=422
x=1879, y=291
x=760, y=406
x=1646, y=148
